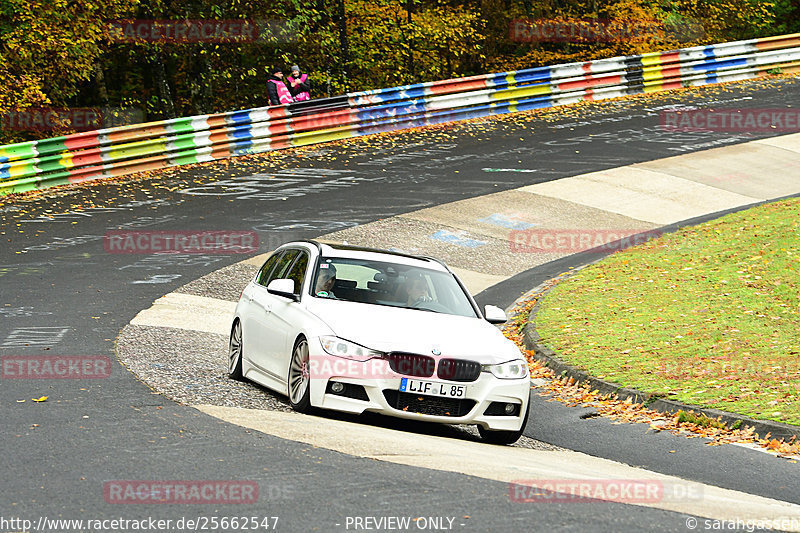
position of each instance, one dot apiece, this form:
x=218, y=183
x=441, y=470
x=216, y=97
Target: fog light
x=509, y=408
x=337, y=388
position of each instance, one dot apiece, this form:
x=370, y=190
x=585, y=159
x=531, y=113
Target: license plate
x=432, y=388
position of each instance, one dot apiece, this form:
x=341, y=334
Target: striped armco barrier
x=129, y=149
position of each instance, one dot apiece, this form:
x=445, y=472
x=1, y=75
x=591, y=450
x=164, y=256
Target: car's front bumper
x=382, y=388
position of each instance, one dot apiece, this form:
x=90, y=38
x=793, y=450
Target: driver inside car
x=417, y=290
x=326, y=278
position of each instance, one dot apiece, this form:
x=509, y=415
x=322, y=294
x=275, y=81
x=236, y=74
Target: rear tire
x=235, y=353
x=299, y=377
x=505, y=438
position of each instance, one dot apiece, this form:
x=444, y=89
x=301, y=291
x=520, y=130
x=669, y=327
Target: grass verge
x=708, y=315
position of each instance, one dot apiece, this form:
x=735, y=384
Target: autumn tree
x=397, y=42
x=50, y=48
x=728, y=20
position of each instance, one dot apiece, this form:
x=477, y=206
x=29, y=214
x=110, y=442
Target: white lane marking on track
x=187, y=311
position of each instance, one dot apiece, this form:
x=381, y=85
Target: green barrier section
x=12, y=152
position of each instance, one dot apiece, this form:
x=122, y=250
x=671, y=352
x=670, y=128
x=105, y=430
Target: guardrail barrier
x=128, y=149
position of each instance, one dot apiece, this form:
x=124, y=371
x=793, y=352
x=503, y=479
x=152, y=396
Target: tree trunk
x=343, y=43
x=162, y=86
x=208, y=89
x=100, y=80
x=410, y=59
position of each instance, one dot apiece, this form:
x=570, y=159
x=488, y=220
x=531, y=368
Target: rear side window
x=266, y=270
x=283, y=265
x=298, y=272
x=276, y=266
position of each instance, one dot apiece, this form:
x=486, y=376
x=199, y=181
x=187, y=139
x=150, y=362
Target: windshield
x=390, y=284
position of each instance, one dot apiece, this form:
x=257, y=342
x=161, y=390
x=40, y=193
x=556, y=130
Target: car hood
x=390, y=329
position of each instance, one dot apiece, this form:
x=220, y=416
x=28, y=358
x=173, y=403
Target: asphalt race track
x=64, y=294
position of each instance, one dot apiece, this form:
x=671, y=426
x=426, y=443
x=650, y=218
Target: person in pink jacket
x=298, y=85
x=277, y=92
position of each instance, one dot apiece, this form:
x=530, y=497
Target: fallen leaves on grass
x=572, y=393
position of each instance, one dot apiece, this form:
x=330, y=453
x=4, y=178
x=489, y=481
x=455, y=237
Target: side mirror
x=283, y=287
x=494, y=314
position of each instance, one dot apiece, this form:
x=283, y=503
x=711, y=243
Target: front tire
x=235, y=353
x=300, y=377
x=505, y=438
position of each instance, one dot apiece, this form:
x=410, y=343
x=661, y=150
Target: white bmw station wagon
x=357, y=329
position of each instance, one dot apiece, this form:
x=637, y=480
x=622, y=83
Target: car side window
x=266, y=269
x=298, y=272
x=283, y=265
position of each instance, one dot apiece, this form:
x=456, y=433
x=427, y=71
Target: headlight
x=349, y=350
x=516, y=369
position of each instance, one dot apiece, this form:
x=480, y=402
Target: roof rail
x=311, y=241
x=353, y=248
